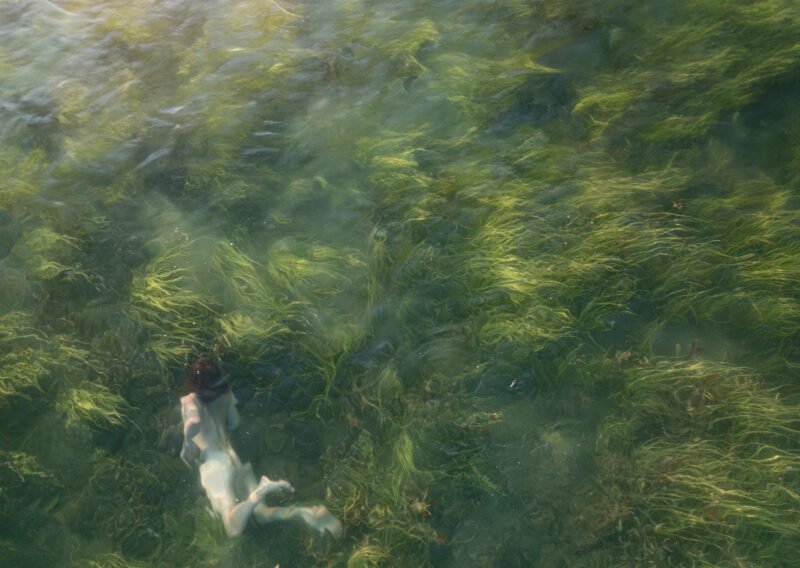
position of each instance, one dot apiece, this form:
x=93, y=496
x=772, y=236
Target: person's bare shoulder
x=190, y=398
x=190, y=408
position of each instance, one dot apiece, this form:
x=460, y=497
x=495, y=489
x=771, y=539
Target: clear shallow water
x=503, y=284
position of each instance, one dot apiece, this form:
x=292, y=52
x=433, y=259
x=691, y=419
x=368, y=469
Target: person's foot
x=319, y=518
x=268, y=487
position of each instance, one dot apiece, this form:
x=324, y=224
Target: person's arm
x=232, y=418
x=191, y=427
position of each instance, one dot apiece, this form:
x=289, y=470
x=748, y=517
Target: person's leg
x=317, y=518
x=217, y=476
x=235, y=518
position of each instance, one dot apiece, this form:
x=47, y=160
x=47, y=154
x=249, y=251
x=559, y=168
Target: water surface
x=501, y=283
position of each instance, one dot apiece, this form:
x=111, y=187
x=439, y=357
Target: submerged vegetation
x=509, y=283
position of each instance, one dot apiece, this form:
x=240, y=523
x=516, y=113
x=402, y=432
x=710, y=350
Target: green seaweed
x=712, y=459
x=500, y=283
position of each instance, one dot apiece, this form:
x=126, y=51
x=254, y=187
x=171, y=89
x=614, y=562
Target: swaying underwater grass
x=500, y=283
x=713, y=454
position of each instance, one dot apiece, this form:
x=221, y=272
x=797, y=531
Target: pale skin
x=225, y=478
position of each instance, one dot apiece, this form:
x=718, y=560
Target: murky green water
x=501, y=283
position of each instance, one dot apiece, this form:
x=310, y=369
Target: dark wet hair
x=205, y=379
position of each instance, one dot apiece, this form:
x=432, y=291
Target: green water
x=502, y=284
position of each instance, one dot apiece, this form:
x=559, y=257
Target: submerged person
x=209, y=411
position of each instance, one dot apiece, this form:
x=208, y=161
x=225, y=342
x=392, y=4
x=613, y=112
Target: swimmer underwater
x=209, y=412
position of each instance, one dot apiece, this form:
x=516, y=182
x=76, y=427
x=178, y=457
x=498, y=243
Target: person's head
x=205, y=379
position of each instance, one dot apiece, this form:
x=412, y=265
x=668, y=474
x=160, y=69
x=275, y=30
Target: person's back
x=213, y=417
